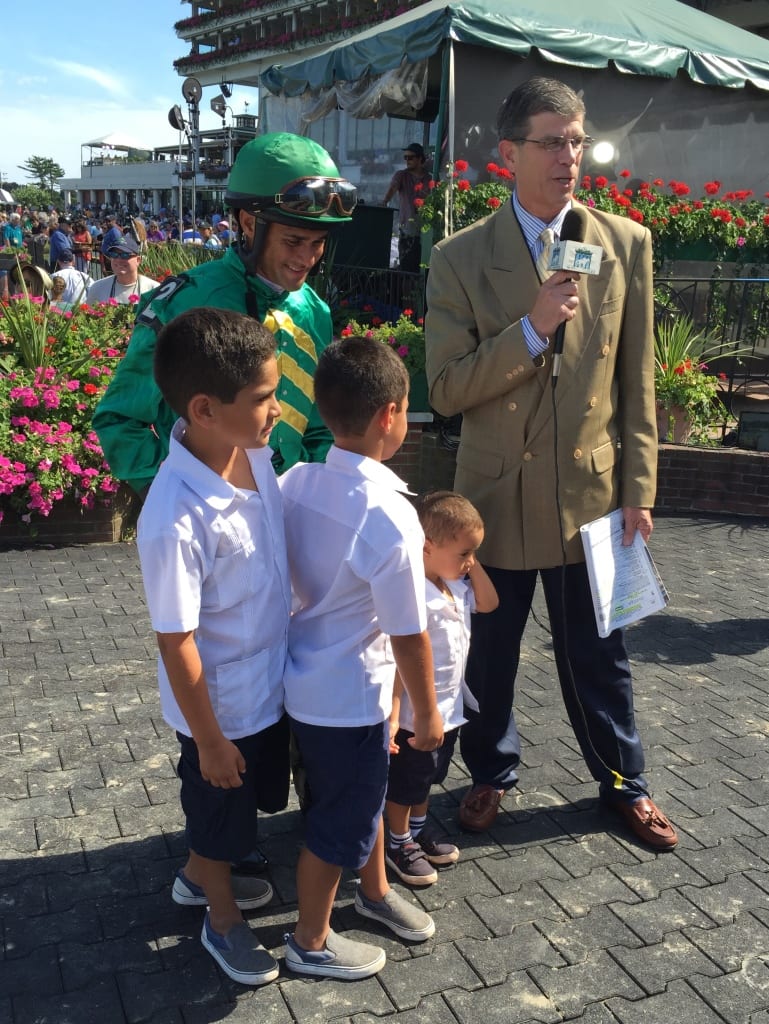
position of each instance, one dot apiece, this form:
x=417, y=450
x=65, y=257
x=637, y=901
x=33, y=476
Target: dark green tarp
x=652, y=37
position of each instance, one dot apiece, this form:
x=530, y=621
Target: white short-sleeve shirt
x=448, y=625
x=355, y=554
x=213, y=560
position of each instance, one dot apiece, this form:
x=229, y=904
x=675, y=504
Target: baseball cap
x=124, y=246
x=224, y=224
x=65, y=256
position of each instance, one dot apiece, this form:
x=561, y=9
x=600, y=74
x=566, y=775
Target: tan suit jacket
x=482, y=281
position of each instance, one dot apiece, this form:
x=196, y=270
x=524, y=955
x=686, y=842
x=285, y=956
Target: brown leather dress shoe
x=648, y=822
x=479, y=806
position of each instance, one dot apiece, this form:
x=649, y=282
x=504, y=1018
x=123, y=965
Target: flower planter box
x=68, y=524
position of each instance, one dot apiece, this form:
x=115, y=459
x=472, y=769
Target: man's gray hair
x=536, y=96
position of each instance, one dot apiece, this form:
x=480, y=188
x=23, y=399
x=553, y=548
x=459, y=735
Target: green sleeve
x=130, y=408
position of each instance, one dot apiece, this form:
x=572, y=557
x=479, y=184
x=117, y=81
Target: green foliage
x=720, y=221
x=164, y=259
x=462, y=202
x=32, y=335
x=405, y=336
x=44, y=170
x=681, y=378
x=32, y=196
x=48, y=450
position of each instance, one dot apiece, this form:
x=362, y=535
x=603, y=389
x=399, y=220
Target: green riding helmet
x=287, y=178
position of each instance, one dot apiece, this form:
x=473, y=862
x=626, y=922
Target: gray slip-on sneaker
x=240, y=954
x=405, y=919
x=342, y=958
x=249, y=892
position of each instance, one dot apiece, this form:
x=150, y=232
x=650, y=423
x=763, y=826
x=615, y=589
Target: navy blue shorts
x=222, y=823
x=347, y=777
x=413, y=772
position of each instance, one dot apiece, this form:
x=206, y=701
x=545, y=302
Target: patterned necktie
x=546, y=238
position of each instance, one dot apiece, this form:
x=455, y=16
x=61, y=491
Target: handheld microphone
x=573, y=231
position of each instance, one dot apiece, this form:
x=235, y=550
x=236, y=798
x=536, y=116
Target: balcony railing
x=336, y=24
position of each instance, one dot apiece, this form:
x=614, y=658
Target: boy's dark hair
x=209, y=351
x=536, y=96
x=354, y=378
x=443, y=514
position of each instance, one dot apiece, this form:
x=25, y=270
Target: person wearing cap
x=408, y=184
x=285, y=193
x=210, y=241
x=125, y=284
x=76, y=282
x=223, y=232
x=112, y=233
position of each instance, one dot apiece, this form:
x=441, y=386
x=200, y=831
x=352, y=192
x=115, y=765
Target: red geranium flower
x=624, y=174
x=461, y=165
x=712, y=187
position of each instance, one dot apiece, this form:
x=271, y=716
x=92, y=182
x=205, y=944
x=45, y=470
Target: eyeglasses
x=312, y=197
x=555, y=143
x=119, y=254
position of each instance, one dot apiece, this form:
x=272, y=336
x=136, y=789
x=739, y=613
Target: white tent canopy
x=117, y=140
x=5, y=196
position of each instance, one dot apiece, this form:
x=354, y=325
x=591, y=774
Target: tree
x=31, y=196
x=44, y=170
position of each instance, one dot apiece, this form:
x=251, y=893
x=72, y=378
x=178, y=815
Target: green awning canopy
x=653, y=38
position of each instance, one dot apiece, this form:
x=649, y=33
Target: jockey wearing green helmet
x=285, y=193
x=285, y=179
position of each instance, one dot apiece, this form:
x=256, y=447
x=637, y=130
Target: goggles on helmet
x=314, y=197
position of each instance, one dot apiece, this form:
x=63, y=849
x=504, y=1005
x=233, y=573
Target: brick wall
x=70, y=524
x=713, y=480
x=689, y=479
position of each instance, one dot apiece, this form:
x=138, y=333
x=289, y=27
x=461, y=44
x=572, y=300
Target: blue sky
x=69, y=75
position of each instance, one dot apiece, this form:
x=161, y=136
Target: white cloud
x=69, y=67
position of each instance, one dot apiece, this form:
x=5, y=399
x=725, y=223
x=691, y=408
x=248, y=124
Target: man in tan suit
x=536, y=474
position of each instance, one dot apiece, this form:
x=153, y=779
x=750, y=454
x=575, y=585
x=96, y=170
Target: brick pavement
x=557, y=914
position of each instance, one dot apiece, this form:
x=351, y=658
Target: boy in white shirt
x=456, y=585
x=355, y=553
x=213, y=558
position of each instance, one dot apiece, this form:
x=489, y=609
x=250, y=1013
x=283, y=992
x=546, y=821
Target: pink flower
x=403, y=351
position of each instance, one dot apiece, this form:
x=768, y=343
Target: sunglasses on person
x=312, y=197
x=120, y=254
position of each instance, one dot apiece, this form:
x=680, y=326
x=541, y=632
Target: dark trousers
x=409, y=253
x=594, y=675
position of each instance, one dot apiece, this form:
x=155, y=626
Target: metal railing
x=734, y=314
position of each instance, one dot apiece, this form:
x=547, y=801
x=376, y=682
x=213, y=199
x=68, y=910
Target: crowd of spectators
x=41, y=237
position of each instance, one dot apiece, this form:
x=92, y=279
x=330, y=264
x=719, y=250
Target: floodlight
x=175, y=118
x=219, y=106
